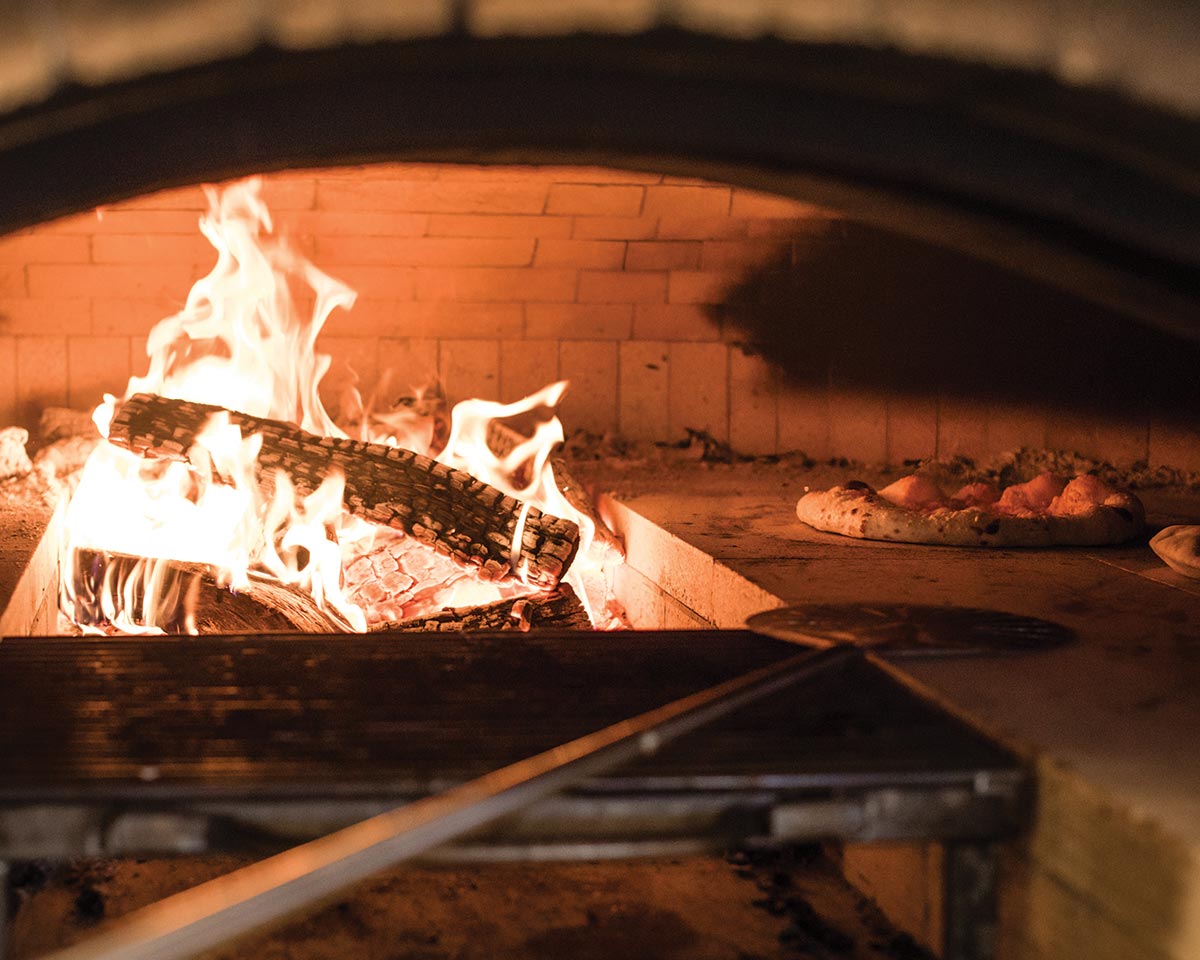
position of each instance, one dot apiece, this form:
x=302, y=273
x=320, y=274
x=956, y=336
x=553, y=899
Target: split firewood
x=262, y=605
x=560, y=610
x=266, y=605
x=392, y=577
x=294, y=605
x=447, y=509
x=611, y=547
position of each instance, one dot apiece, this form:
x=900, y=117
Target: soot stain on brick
x=846, y=329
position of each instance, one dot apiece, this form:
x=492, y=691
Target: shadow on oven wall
x=870, y=310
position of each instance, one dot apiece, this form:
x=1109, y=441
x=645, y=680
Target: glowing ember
x=240, y=343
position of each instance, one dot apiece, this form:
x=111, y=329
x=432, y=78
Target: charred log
x=263, y=608
x=502, y=439
x=560, y=609
x=578, y=496
x=447, y=509
x=182, y=587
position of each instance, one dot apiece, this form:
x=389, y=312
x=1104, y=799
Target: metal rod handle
x=228, y=907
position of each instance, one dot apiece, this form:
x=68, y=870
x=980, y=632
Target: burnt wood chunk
x=560, y=610
x=269, y=606
x=447, y=509
x=259, y=606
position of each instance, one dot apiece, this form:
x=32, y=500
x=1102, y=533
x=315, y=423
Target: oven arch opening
x=1088, y=191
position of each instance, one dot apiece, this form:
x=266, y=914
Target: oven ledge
x=1110, y=723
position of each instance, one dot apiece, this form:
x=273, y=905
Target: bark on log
x=262, y=607
x=448, y=509
x=611, y=546
x=560, y=609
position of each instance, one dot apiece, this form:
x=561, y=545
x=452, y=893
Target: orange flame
x=240, y=342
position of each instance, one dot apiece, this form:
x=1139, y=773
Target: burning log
x=447, y=509
x=578, y=496
x=265, y=605
x=393, y=578
x=503, y=439
x=262, y=605
x=560, y=610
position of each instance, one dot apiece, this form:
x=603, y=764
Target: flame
x=468, y=449
x=241, y=343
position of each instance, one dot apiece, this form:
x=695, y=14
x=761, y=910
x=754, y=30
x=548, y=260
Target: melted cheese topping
x=914, y=492
x=1032, y=498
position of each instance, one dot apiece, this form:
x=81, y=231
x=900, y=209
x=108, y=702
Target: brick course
x=502, y=279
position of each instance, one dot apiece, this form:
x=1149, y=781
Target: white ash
x=65, y=456
x=1016, y=466
x=14, y=461
x=698, y=446
x=59, y=423
x=55, y=468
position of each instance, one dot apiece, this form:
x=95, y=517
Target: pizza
x=1178, y=547
x=1047, y=511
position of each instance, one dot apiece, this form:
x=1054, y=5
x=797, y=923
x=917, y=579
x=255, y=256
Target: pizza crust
x=1179, y=548
x=855, y=510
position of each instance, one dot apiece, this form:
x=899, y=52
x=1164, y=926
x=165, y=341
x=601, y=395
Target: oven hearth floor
x=789, y=905
x=1112, y=869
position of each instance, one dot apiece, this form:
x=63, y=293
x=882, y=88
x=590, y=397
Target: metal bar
x=971, y=901
x=215, y=913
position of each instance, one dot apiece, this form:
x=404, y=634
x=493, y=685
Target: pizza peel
x=909, y=631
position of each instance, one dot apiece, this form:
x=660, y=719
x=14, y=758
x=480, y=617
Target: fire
x=468, y=449
x=135, y=526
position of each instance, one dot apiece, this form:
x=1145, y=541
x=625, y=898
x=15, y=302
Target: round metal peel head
x=912, y=630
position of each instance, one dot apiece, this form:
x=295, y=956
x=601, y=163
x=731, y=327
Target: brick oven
x=493, y=280
x=671, y=303
x=766, y=247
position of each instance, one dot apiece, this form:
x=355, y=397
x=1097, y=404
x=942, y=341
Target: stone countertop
x=27, y=556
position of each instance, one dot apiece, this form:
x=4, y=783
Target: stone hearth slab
x=1112, y=868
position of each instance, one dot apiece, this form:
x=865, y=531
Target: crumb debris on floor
x=788, y=904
